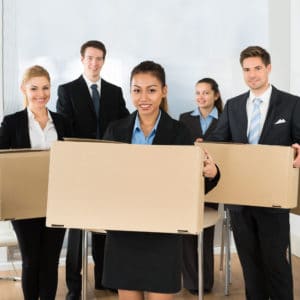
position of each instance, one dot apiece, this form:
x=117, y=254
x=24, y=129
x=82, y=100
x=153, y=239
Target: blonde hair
x=31, y=72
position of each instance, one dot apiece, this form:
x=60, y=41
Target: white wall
x=1, y=77
x=295, y=88
x=191, y=39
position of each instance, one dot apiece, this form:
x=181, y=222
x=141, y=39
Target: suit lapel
x=23, y=130
x=210, y=129
x=195, y=126
x=270, y=114
x=84, y=94
x=164, y=128
x=125, y=133
x=242, y=116
x=58, y=125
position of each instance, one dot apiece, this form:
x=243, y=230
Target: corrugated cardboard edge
x=201, y=180
x=294, y=177
x=2, y=209
x=198, y=194
x=1, y=196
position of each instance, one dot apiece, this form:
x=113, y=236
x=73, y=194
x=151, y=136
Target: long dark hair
x=215, y=88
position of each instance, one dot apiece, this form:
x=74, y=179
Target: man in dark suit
x=263, y=115
x=91, y=103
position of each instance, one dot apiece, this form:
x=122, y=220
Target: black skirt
x=143, y=261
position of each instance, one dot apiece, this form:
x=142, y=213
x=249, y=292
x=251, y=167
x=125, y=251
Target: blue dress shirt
x=205, y=122
x=138, y=136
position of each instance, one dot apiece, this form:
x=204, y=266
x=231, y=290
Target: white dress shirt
x=264, y=106
x=41, y=138
x=89, y=83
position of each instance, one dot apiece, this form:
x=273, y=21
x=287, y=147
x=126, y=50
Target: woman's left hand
x=209, y=169
x=296, y=162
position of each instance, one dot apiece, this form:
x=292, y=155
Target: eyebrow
x=45, y=85
x=152, y=85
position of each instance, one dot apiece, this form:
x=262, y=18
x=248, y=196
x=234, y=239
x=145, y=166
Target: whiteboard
x=191, y=39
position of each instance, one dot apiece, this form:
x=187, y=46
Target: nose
x=143, y=96
x=41, y=93
x=94, y=62
x=252, y=73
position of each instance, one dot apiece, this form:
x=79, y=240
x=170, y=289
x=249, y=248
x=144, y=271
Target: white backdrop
x=191, y=39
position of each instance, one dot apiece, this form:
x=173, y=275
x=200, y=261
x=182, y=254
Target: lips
x=145, y=106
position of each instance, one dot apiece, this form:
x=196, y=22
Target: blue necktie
x=96, y=99
x=254, y=128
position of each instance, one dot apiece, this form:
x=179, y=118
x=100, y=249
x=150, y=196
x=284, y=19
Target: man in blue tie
x=90, y=103
x=263, y=115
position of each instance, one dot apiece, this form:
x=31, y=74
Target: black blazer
x=14, y=131
x=193, y=124
x=74, y=101
x=232, y=125
x=169, y=132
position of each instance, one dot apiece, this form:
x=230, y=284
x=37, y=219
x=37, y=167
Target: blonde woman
x=36, y=127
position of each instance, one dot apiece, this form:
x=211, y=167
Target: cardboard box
x=23, y=184
x=256, y=175
x=125, y=187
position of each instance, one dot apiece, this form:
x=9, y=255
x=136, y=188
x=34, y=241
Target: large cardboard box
x=256, y=175
x=101, y=186
x=23, y=184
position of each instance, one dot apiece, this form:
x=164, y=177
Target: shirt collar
x=214, y=113
x=137, y=124
x=32, y=117
x=265, y=96
x=89, y=83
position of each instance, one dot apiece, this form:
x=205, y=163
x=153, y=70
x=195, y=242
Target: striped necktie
x=254, y=128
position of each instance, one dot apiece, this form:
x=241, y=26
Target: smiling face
x=37, y=92
x=256, y=74
x=93, y=61
x=205, y=96
x=147, y=93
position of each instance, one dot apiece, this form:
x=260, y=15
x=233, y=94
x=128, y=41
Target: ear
x=165, y=91
x=217, y=96
x=269, y=68
x=22, y=88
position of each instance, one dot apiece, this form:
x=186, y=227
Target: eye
x=152, y=90
x=135, y=90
